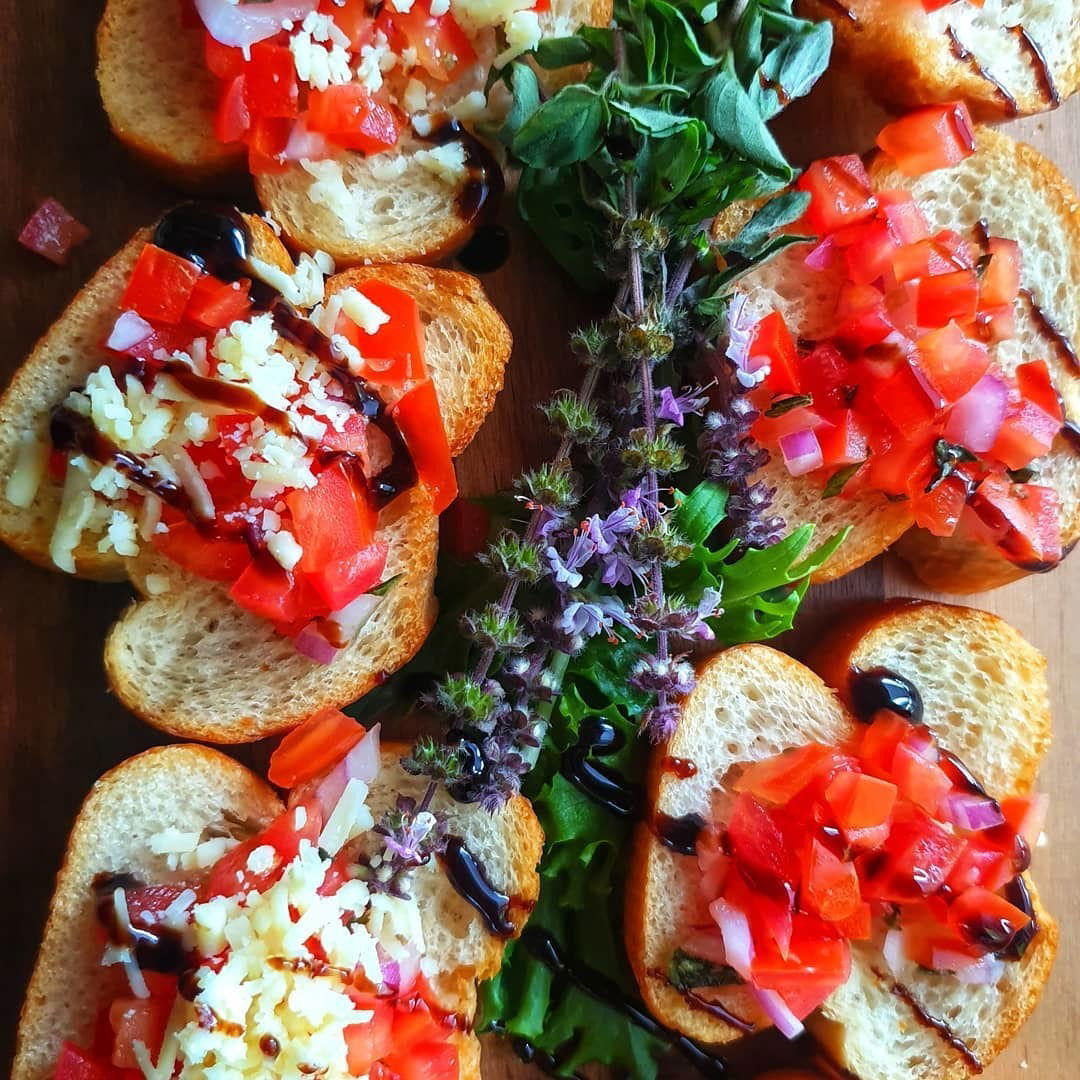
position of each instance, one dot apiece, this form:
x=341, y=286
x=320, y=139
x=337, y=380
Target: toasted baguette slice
x=190, y=787
x=905, y=56
x=1022, y=196
x=189, y=661
x=984, y=693
x=161, y=101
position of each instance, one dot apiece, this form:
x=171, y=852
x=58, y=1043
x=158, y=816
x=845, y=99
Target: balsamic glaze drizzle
x=488, y=249
x=934, y=1022
x=966, y=56
x=1043, y=75
x=879, y=688
x=599, y=782
x=680, y=834
x=597, y=985
x=467, y=876
x=479, y=197
x=1051, y=329
x=160, y=949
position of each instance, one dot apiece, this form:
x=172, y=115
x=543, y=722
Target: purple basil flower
x=675, y=407
x=588, y=618
x=659, y=722
x=620, y=567
x=673, y=676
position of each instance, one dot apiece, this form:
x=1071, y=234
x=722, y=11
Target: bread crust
x=188, y=661
x=903, y=59
x=1004, y=739
x=170, y=786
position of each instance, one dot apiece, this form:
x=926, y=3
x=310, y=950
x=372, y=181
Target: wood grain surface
x=60, y=728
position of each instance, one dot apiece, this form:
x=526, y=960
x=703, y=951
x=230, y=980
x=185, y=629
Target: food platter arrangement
x=535, y=538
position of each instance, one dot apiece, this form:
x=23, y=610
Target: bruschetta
x=262, y=453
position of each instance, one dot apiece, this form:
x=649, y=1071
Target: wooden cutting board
x=60, y=728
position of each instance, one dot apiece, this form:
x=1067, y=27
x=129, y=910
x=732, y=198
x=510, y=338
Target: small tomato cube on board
x=52, y=232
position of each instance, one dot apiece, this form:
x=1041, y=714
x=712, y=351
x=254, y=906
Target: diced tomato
x=980, y=865
x=757, y=841
x=816, y=966
x=145, y=903
x=216, y=304
x=347, y=114
x=840, y=194
x=421, y=1048
x=371, y=1042
x=950, y=363
x=922, y=854
x=160, y=285
x=862, y=318
x=929, y=138
x=464, y=529
x=394, y=354
x=212, y=559
x=826, y=374
x=231, y=874
x=138, y=1020
x=944, y=297
x=779, y=779
x=925, y=258
x=845, y=442
x=918, y=780
x=907, y=223
x=860, y=801
x=878, y=742
x=994, y=324
x=52, y=232
x=903, y=401
x=771, y=912
x=984, y=918
x=1024, y=520
x=1035, y=385
x=271, y=87
x=1026, y=433
x=858, y=926
x=74, y=1063
x=267, y=590
x=1026, y=815
x=772, y=341
x=232, y=120
x=830, y=886
x=313, y=747
x=1000, y=281
x=419, y=418
x=353, y=18
x=442, y=49
x=266, y=140
x=940, y=509
x=871, y=254
x=224, y=61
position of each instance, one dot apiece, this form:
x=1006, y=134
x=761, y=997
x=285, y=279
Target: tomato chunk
x=160, y=285
x=830, y=886
x=1000, y=281
x=313, y=747
x=419, y=418
x=348, y=115
x=839, y=189
x=216, y=304
x=772, y=343
x=929, y=138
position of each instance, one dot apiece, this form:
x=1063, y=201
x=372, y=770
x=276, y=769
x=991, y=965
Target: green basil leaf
x=385, y=586
x=747, y=43
x=684, y=51
x=736, y=122
x=792, y=68
x=564, y=130
x=785, y=405
x=838, y=481
x=525, y=89
x=675, y=161
x=554, y=53
x=657, y=122
x=688, y=972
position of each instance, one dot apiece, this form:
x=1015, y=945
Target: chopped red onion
x=976, y=418
x=973, y=812
x=243, y=24
x=128, y=330
x=892, y=950
x=735, y=930
x=787, y=1023
x=303, y=143
x=311, y=643
x=360, y=763
x=802, y=452
x=821, y=257
x=986, y=971
x=350, y=620
x=950, y=960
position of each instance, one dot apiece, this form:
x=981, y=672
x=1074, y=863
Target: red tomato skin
x=349, y=116
x=224, y=61
x=1000, y=281
x=310, y=749
x=830, y=886
x=945, y=297
x=160, y=285
x=772, y=340
x=442, y=48
x=271, y=88
x=266, y=590
x=216, y=304
x=214, y=560
x=394, y=354
x=950, y=362
x=846, y=441
x=419, y=419
x=139, y=1019
x=74, y=1063
x=232, y=121
x=904, y=403
x=929, y=138
x=840, y=194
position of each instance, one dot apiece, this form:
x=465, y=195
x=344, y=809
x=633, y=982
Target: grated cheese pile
x=161, y=422
x=271, y=984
